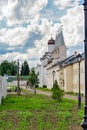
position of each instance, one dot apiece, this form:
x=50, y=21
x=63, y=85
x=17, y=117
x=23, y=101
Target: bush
x=36, y=86
x=2, y=100
x=44, y=86
x=57, y=92
x=16, y=89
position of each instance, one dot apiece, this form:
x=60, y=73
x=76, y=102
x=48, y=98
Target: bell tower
x=60, y=50
x=51, y=45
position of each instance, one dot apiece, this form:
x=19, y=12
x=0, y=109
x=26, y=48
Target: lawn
x=29, y=112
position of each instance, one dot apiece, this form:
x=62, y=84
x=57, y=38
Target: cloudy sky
x=27, y=25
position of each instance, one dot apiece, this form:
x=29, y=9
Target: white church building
x=65, y=68
x=57, y=51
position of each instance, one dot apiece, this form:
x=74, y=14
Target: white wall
x=3, y=87
x=51, y=47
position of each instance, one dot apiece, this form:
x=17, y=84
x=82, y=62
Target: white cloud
x=2, y=5
x=73, y=26
x=19, y=11
x=47, y=29
x=22, y=57
x=8, y=56
x=39, y=49
x=19, y=35
x=28, y=56
x=62, y=4
x=37, y=6
x=14, y=37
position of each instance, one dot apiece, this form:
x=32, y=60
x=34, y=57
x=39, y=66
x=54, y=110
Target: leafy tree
x=8, y=68
x=8, y=72
x=57, y=92
x=25, y=68
x=13, y=68
x=33, y=80
x=5, y=67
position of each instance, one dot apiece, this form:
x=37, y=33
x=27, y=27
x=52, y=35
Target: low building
x=67, y=74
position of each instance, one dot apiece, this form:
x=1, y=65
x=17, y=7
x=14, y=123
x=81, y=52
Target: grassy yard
x=39, y=113
x=44, y=89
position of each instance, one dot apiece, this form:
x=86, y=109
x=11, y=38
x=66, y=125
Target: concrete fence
x=3, y=88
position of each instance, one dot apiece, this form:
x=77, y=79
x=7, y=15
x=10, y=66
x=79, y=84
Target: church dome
x=51, y=41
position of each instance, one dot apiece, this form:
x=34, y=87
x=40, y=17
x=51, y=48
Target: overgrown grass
x=29, y=112
x=44, y=89
x=73, y=93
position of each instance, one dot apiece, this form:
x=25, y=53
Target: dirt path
x=66, y=95
x=50, y=94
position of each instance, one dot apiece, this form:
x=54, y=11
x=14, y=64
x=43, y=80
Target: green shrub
x=2, y=100
x=36, y=86
x=57, y=92
x=44, y=86
x=13, y=88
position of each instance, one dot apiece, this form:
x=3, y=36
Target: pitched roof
x=59, y=41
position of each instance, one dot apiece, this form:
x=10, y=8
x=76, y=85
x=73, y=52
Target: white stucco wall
x=3, y=87
x=76, y=77
x=51, y=47
x=50, y=76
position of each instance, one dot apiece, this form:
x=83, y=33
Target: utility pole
x=84, y=123
x=53, y=73
x=18, y=80
x=79, y=56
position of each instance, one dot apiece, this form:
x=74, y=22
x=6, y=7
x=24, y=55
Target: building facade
x=66, y=69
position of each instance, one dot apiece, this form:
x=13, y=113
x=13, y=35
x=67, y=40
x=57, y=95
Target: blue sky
x=27, y=25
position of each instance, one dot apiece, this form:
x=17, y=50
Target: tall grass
x=29, y=112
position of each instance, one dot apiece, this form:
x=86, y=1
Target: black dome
x=51, y=41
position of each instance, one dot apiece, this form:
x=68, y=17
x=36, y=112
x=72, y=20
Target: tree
x=33, y=80
x=25, y=68
x=5, y=68
x=14, y=68
x=8, y=68
x=57, y=92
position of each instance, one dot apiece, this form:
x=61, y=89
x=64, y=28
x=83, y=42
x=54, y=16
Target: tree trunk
x=34, y=90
